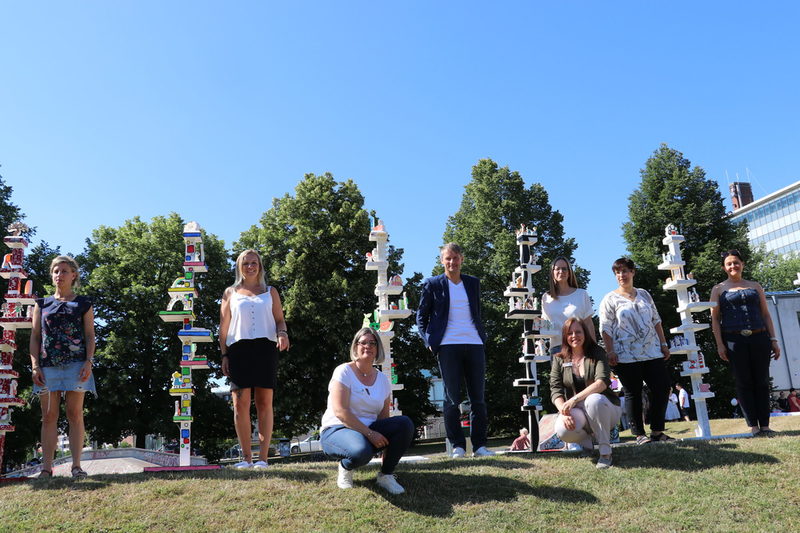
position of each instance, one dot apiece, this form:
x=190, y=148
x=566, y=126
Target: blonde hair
x=72, y=264
x=240, y=260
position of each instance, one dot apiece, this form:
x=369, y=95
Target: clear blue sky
x=110, y=110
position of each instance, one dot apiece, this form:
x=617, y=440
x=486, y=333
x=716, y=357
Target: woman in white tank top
x=252, y=331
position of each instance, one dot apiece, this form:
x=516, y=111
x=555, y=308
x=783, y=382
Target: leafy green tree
x=127, y=271
x=495, y=203
x=673, y=192
x=313, y=245
x=9, y=212
x=775, y=272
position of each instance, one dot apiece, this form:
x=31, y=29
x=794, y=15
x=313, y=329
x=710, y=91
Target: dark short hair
x=450, y=247
x=736, y=253
x=623, y=262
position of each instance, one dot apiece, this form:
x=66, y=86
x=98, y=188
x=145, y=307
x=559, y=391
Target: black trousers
x=654, y=373
x=749, y=358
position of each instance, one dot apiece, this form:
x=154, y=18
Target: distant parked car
x=311, y=444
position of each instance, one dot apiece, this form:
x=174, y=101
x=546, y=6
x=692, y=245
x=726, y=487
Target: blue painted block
x=184, y=433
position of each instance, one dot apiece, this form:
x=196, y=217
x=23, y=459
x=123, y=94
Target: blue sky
x=110, y=110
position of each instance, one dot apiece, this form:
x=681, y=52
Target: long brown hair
x=572, y=281
x=589, y=345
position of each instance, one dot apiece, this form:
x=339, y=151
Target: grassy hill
x=727, y=485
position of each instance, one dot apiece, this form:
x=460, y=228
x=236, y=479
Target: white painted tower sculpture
x=537, y=335
x=392, y=305
x=16, y=314
x=685, y=341
x=183, y=291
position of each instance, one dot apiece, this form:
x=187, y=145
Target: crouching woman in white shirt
x=356, y=424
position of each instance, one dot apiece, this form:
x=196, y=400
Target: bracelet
x=665, y=344
x=774, y=339
x=282, y=332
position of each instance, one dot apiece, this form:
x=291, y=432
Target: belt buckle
x=746, y=332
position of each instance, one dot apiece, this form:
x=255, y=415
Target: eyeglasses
x=366, y=344
x=731, y=252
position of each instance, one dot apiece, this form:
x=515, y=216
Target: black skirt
x=253, y=363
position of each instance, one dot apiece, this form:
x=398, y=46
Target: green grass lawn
x=722, y=485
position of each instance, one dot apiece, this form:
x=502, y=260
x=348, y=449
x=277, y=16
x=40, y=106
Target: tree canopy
x=314, y=244
x=673, y=192
x=127, y=271
x=495, y=202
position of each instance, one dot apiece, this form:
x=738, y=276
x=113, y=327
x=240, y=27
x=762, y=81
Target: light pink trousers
x=599, y=414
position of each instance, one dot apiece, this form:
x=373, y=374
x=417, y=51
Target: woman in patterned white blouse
x=636, y=347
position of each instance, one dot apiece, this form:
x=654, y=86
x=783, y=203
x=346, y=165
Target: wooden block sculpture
x=183, y=294
x=538, y=333
x=684, y=341
x=392, y=305
x=16, y=314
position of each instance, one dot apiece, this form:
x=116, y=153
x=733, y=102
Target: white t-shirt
x=365, y=402
x=558, y=310
x=683, y=398
x=460, y=328
x=631, y=325
x=251, y=317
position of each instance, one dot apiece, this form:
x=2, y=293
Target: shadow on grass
x=436, y=494
x=456, y=464
x=101, y=481
x=688, y=456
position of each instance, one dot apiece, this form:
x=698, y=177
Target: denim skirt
x=65, y=378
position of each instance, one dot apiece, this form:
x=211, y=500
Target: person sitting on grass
x=521, y=443
x=356, y=424
x=579, y=385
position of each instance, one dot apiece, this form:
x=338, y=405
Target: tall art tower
x=16, y=314
x=392, y=304
x=184, y=293
x=685, y=340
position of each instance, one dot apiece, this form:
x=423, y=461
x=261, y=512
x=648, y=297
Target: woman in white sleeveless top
x=251, y=332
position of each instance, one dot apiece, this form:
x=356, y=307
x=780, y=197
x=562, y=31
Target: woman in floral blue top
x=62, y=348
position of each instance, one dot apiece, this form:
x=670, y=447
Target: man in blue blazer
x=449, y=321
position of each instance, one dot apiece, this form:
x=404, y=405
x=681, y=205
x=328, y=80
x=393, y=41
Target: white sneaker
x=604, y=462
x=259, y=465
x=458, y=452
x=345, y=479
x=389, y=483
x=243, y=465
x=483, y=451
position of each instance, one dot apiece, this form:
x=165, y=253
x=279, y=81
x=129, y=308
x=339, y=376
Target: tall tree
x=673, y=192
x=775, y=272
x=9, y=212
x=495, y=203
x=313, y=245
x=127, y=271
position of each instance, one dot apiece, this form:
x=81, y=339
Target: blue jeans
x=355, y=450
x=458, y=362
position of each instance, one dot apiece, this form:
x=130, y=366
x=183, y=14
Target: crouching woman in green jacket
x=579, y=385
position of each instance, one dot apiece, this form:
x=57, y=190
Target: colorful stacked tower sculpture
x=537, y=333
x=14, y=316
x=685, y=342
x=388, y=309
x=183, y=291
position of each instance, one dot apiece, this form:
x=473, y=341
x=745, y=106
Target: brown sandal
x=78, y=472
x=44, y=473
